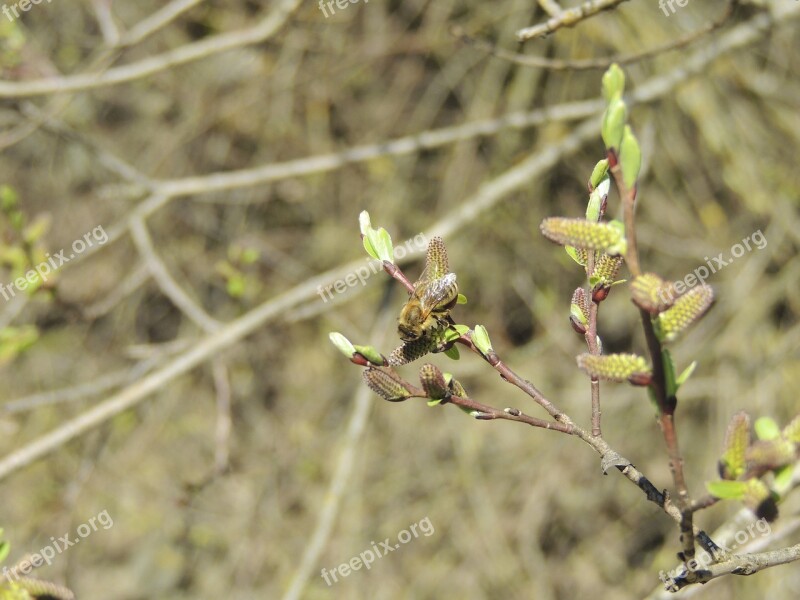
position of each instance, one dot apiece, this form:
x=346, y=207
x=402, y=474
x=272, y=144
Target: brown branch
x=514, y=379
x=666, y=404
x=591, y=342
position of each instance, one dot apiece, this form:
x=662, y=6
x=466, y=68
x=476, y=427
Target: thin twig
x=105, y=20
x=567, y=18
x=158, y=20
x=223, y=428
x=555, y=64
x=165, y=282
x=591, y=342
x=356, y=425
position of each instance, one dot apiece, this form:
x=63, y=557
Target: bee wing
x=431, y=292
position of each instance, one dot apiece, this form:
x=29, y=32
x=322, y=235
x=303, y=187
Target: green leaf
x=15, y=340
x=480, y=337
x=370, y=353
x=364, y=223
x=596, y=198
x=630, y=158
x=577, y=255
x=669, y=372
x=235, y=286
x=613, y=83
x=5, y=548
x=727, y=490
x=377, y=242
x=462, y=299
x=454, y=332
x=613, y=126
x=249, y=256
x=342, y=343
x=767, y=429
x=452, y=352
x=434, y=402
x=599, y=173
x=783, y=480
x=687, y=372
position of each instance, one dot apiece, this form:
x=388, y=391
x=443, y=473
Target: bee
x=435, y=293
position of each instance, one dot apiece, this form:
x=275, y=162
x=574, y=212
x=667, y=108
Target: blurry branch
x=425, y=140
x=165, y=281
x=130, y=396
x=567, y=18
x=132, y=282
x=107, y=159
x=551, y=7
x=485, y=198
x=555, y=64
x=105, y=20
x=158, y=20
x=82, y=391
x=155, y=64
x=652, y=89
x=341, y=476
x=222, y=433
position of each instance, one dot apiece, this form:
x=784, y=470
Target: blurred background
x=238, y=461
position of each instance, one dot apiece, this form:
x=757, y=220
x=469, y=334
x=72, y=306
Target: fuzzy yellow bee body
x=435, y=293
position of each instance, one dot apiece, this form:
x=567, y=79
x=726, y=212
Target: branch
x=554, y=64
x=165, y=281
x=158, y=20
x=155, y=64
x=567, y=18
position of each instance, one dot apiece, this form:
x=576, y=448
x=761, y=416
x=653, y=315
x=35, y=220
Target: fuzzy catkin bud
x=616, y=367
x=686, y=310
x=387, y=385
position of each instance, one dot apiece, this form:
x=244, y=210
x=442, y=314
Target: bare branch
x=567, y=18
x=165, y=281
x=158, y=20
x=155, y=64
